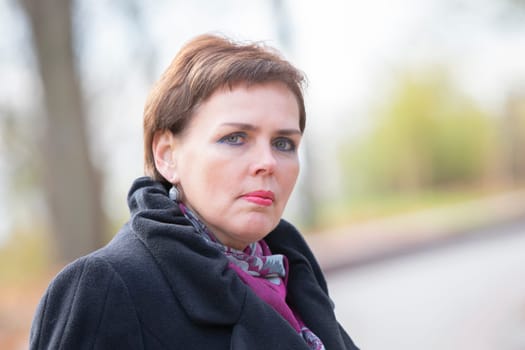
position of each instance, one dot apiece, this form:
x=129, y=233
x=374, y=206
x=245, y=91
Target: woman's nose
x=264, y=161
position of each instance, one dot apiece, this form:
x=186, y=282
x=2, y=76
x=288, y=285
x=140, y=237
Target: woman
x=205, y=261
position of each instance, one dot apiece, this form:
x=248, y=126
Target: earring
x=174, y=193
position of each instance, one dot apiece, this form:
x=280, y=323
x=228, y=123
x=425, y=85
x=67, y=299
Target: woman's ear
x=164, y=149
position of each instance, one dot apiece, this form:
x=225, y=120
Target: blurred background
x=412, y=161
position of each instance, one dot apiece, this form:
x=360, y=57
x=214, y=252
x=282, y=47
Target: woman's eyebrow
x=250, y=127
x=289, y=132
x=242, y=126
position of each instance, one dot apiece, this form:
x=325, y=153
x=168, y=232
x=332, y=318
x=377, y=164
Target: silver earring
x=174, y=193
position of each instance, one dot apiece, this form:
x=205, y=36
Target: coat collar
x=210, y=292
x=197, y=273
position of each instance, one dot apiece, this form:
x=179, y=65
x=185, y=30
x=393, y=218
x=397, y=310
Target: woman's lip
x=264, y=198
x=261, y=194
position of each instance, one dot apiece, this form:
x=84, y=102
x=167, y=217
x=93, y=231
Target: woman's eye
x=284, y=144
x=232, y=139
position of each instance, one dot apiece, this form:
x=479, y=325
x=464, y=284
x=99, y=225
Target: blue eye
x=284, y=144
x=233, y=139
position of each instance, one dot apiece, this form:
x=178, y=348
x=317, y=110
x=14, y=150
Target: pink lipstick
x=264, y=198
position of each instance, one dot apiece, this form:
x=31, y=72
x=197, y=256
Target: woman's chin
x=253, y=231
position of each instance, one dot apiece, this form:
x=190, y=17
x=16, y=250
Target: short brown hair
x=203, y=65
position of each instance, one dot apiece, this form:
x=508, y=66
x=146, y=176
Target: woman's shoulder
x=100, y=264
x=119, y=262
x=87, y=278
x=76, y=304
x=95, y=273
x=86, y=298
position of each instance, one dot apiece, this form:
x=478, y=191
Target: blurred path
x=460, y=297
x=383, y=238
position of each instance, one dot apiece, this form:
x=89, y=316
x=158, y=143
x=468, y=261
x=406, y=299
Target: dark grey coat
x=158, y=285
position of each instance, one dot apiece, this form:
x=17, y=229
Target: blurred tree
x=71, y=182
x=426, y=135
x=16, y=143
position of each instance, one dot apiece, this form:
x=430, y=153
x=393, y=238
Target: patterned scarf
x=253, y=261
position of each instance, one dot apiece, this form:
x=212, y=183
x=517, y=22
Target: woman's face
x=237, y=162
